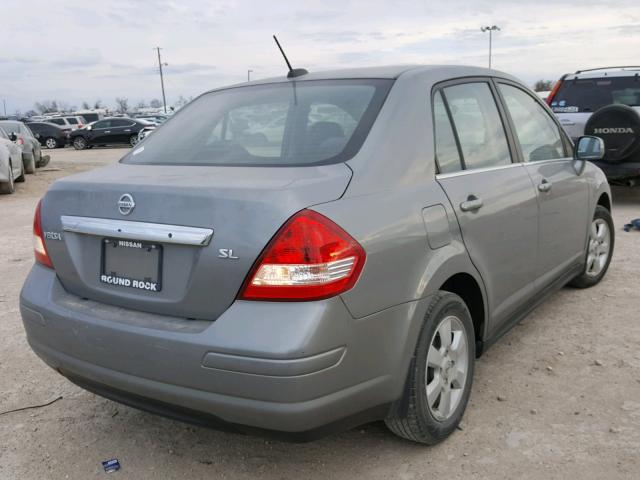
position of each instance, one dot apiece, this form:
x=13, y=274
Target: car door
x=493, y=196
x=121, y=130
x=563, y=194
x=100, y=132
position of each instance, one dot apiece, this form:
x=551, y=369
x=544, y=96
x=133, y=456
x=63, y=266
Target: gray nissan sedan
x=302, y=255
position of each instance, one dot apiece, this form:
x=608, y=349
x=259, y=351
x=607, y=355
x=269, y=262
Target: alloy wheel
x=447, y=368
x=599, y=247
x=51, y=143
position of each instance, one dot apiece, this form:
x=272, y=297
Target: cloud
x=82, y=51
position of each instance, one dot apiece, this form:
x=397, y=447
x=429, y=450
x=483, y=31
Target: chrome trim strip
x=477, y=170
x=149, y=232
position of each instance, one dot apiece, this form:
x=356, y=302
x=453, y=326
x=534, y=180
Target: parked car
x=109, y=131
x=68, y=123
x=349, y=269
x=31, y=151
x=49, y=135
x=11, y=167
x=604, y=102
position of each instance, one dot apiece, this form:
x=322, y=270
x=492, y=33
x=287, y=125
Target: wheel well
x=604, y=201
x=466, y=287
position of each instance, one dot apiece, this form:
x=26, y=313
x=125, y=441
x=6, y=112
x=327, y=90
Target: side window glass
x=103, y=124
x=447, y=154
x=538, y=134
x=477, y=122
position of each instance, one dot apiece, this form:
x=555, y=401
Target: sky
x=83, y=50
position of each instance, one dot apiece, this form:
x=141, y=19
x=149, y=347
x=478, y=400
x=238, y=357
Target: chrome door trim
x=150, y=232
x=460, y=173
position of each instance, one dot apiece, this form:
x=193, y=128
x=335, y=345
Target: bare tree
x=181, y=102
x=85, y=105
x=123, y=104
x=97, y=104
x=543, y=85
x=141, y=104
x=155, y=103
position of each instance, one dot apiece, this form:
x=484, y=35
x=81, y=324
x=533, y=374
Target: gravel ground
x=557, y=397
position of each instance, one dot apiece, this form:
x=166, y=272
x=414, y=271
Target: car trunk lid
x=192, y=231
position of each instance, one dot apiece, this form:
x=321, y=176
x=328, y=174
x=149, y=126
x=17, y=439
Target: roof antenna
x=293, y=72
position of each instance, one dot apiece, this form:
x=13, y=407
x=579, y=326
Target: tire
x=599, y=250
x=79, y=143
x=133, y=140
x=29, y=163
x=8, y=187
x=619, y=127
x=51, y=143
x=420, y=416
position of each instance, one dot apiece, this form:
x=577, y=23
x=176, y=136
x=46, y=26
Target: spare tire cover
x=619, y=127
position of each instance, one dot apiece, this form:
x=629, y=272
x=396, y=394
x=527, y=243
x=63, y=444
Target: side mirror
x=37, y=135
x=13, y=137
x=589, y=148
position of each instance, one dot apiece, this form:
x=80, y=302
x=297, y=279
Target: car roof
x=383, y=72
x=605, y=72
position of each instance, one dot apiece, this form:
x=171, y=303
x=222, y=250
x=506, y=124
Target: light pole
x=249, y=75
x=490, y=29
x=160, y=65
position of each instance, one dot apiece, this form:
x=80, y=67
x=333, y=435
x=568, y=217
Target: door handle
x=472, y=204
x=107, y=131
x=544, y=185
x=128, y=130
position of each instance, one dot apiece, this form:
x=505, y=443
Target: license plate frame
x=125, y=278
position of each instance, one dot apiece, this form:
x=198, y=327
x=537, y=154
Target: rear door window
x=447, y=155
x=57, y=121
x=281, y=124
x=538, y=135
x=477, y=122
x=72, y=120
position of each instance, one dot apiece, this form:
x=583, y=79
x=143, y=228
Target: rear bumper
x=619, y=171
x=303, y=368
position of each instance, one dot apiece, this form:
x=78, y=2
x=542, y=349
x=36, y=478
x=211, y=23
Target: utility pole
x=490, y=29
x=249, y=75
x=160, y=65
x=4, y=105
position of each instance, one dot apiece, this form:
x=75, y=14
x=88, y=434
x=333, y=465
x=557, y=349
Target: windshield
x=591, y=94
x=281, y=124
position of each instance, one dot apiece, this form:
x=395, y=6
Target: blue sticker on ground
x=112, y=465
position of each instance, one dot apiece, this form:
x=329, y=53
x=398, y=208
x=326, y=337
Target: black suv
x=48, y=134
x=109, y=131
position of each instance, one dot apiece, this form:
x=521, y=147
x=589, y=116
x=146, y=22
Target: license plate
x=131, y=264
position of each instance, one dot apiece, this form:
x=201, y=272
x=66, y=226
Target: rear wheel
x=51, y=143
x=440, y=374
x=599, y=249
x=79, y=143
x=8, y=186
x=133, y=140
x=29, y=162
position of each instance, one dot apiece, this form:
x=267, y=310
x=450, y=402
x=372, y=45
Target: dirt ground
x=557, y=397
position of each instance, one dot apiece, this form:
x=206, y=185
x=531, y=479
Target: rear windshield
x=281, y=124
x=72, y=120
x=590, y=94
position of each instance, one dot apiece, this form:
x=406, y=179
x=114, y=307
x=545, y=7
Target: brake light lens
x=309, y=258
x=39, y=247
x=20, y=141
x=554, y=91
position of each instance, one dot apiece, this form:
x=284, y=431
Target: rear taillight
x=555, y=89
x=20, y=141
x=39, y=247
x=309, y=258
